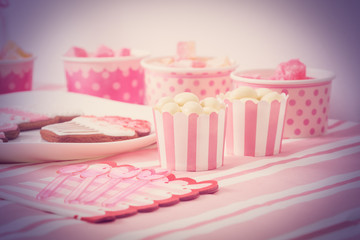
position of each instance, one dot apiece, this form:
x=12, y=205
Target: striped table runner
x=310, y=190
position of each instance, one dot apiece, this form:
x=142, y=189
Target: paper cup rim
x=14, y=61
x=144, y=63
x=137, y=54
x=319, y=76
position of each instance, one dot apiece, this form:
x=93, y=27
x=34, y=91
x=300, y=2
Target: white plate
x=29, y=147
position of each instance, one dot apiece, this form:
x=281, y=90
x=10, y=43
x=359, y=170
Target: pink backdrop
x=323, y=34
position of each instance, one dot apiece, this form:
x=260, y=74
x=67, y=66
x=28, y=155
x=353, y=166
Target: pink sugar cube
x=291, y=70
x=76, y=52
x=125, y=52
x=104, y=51
x=198, y=64
x=186, y=50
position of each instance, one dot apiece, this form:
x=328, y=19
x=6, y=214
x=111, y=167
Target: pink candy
x=125, y=52
x=186, y=50
x=291, y=70
x=102, y=52
x=76, y=52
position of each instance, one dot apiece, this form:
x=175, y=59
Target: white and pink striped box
x=190, y=143
x=255, y=129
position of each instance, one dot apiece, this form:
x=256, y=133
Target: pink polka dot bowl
x=161, y=81
x=16, y=75
x=116, y=78
x=308, y=103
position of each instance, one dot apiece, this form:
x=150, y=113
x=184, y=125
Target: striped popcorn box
x=190, y=142
x=255, y=128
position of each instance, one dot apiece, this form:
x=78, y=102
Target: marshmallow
x=262, y=92
x=211, y=102
x=208, y=110
x=184, y=97
x=162, y=101
x=271, y=97
x=243, y=92
x=186, y=50
x=254, y=100
x=192, y=107
x=171, y=108
x=104, y=51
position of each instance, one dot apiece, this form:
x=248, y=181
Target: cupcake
x=255, y=121
x=186, y=71
x=106, y=73
x=190, y=133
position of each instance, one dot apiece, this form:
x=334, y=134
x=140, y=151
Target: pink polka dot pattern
x=285, y=91
x=15, y=77
x=203, y=84
x=307, y=108
x=120, y=83
x=306, y=122
x=292, y=102
x=312, y=131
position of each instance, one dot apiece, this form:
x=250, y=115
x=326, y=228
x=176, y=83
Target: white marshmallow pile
x=245, y=93
x=189, y=103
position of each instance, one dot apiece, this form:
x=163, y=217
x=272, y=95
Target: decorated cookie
x=96, y=129
x=9, y=131
x=28, y=120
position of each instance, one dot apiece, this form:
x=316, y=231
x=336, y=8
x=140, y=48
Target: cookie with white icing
x=86, y=129
x=29, y=120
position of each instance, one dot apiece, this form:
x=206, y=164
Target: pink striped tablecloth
x=310, y=190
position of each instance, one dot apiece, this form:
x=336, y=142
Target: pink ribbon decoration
x=64, y=174
x=143, y=178
x=89, y=176
x=116, y=175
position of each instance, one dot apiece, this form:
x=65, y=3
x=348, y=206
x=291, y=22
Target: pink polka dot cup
x=119, y=78
x=16, y=75
x=308, y=103
x=165, y=80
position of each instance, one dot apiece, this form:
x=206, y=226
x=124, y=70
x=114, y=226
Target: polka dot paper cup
x=163, y=81
x=116, y=78
x=190, y=142
x=16, y=75
x=308, y=104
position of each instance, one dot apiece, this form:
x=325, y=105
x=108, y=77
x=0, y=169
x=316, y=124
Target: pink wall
x=323, y=34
